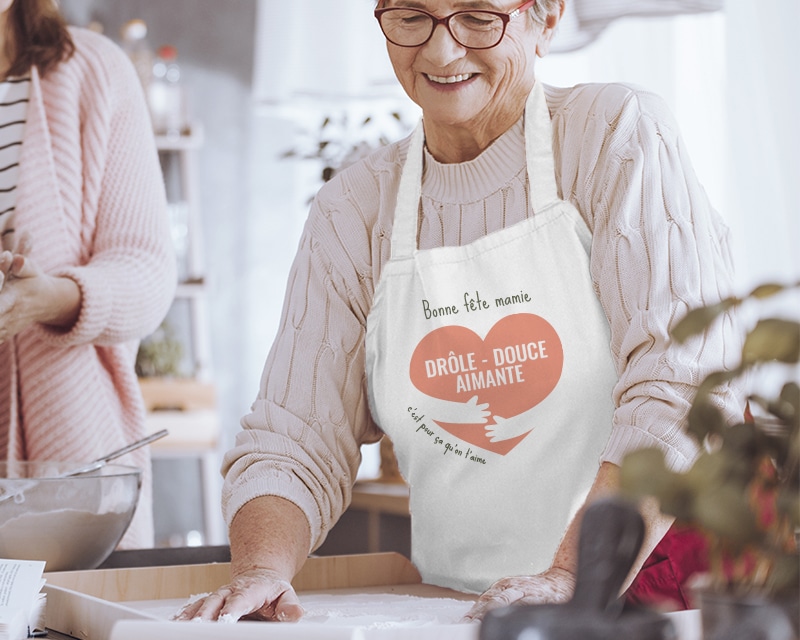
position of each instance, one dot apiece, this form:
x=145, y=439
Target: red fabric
x=661, y=583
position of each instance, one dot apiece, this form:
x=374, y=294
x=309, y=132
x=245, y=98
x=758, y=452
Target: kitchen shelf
x=186, y=406
x=178, y=157
x=192, y=138
x=191, y=288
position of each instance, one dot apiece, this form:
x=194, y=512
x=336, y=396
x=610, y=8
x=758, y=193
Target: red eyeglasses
x=472, y=29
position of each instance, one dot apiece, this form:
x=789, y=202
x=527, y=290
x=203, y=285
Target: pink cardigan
x=92, y=197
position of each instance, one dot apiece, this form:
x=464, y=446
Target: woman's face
x=468, y=88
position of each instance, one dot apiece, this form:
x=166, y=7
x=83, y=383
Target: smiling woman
x=562, y=195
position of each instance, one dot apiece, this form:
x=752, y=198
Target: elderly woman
x=88, y=266
x=495, y=293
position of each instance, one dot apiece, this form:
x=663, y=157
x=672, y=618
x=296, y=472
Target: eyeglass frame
x=504, y=17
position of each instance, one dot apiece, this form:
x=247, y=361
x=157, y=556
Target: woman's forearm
x=269, y=533
x=60, y=303
x=605, y=485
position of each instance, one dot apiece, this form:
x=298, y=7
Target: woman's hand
x=554, y=586
x=258, y=594
x=28, y=296
x=270, y=539
x=6, y=260
x=17, y=290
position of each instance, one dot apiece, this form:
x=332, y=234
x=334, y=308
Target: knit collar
x=478, y=178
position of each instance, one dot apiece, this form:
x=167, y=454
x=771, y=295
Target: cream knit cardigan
x=658, y=249
x=92, y=197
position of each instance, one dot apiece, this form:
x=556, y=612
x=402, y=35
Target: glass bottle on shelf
x=166, y=94
x=135, y=44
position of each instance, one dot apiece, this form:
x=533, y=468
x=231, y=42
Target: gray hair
x=544, y=8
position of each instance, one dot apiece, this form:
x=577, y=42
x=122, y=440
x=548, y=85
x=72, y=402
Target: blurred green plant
x=160, y=354
x=343, y=138
x=743, y=490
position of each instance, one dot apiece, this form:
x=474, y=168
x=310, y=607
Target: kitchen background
x=260, y=77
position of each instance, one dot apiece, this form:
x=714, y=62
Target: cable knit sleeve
x=127, y=268
x=658, y=250
x=301, y=439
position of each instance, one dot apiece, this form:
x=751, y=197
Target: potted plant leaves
x=743, y=490
x=344, y=137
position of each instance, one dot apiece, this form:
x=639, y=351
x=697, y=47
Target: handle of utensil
x=97, y=464
x=101, y=462
x=133, y=446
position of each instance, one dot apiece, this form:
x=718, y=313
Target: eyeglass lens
x=472, y=29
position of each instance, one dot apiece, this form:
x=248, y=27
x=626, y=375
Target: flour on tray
x=381, y=611
x=373, y=610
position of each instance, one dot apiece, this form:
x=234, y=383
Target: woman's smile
x=457, y=79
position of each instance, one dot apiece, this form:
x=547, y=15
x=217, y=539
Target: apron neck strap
x=539, y=162
x=539, y=151
x=406, y=211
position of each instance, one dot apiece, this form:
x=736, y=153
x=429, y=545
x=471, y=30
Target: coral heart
x=514, y=368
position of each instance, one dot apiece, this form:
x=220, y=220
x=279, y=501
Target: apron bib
x=488, y=365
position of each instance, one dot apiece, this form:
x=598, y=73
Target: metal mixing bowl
x=72, y=523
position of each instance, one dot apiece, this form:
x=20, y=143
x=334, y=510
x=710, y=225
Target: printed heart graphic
x=514, y=368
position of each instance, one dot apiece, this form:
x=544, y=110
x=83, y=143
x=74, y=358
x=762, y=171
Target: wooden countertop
x=383, y=497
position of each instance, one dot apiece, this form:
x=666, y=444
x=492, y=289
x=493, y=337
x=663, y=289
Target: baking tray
x=128, y=603
x=136, y=603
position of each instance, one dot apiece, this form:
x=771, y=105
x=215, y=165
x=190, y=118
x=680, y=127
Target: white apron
x=488, y=365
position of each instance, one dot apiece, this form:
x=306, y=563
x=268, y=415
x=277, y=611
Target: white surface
x=342, y=616
x=381, y=611
x=138, y=629
x=363, y=610
x=328, y=617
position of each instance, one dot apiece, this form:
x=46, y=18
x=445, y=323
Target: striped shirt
x=13, y=113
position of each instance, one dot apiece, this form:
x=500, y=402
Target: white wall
x=763, y=171
x=319, y=48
